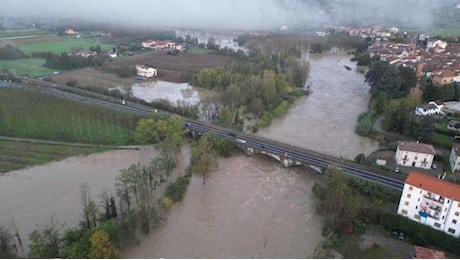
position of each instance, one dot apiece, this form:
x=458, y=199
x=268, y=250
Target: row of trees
x=10, y=52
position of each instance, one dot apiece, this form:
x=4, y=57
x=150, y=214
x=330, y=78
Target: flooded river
x=248, y=208
x=325, y=121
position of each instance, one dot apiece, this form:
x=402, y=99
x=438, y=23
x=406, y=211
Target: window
x=458, y=205
x=408, y=195
x=442, y=217
x=417, y=216
x=451, y=230
x=411, y=188
x=436, y=224
x=404, y=212
x=457, y=213
x=418, y=199
x=454, y=221
x=406, y=203
x=416, y=207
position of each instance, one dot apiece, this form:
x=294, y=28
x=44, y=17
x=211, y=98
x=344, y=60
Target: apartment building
x=431, y=201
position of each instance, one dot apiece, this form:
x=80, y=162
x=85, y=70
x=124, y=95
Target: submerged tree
x=47, y=241
x=203, y=156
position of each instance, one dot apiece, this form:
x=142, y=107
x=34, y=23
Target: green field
x=453, y=31
x=199, y=51
x=19, y=33
x=30, y=114
x=67, y=44
x=26, y=67
x=19, y=155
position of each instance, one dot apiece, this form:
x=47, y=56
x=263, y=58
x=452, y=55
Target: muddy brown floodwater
x=325, y=121
x=248, y=208
x=32, y=196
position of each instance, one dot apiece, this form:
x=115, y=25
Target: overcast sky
x=224, y=14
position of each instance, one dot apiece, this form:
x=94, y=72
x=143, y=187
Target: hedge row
x=422, y=235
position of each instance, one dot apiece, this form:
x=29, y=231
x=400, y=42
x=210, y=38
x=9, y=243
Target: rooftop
x=427, y=253
x=416, y=147
x=435, y=185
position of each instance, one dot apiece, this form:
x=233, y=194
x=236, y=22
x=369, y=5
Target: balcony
x=435, y=198
x=428, y=208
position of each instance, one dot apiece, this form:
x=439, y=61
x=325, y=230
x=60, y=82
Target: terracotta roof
x=435, y=185
x=416, y=147
x=427, y=253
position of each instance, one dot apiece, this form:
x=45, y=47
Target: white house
x=432, y=108
x=146, y=71
x=148, y=44
x=454, y=159
x=437, y=45
x=414, y=154
x=431, y=201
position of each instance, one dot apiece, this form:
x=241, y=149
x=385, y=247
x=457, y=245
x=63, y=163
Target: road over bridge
x=287, y=154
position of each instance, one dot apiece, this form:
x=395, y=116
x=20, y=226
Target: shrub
x=176, y=190
x=167, y=203
x=72, y=83
x=364, y=126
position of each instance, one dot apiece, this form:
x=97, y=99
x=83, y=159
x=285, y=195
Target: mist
x=231, y=14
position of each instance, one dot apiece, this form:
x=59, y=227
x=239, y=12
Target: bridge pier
x=247, y=150
x=288, y=162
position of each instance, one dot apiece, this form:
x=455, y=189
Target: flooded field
x=325, y=120
x=32, y=196
x=174, y=92
x=248, y=208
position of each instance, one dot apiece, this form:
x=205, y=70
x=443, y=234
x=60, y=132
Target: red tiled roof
x=416, y=147
x=427, y=253
x=435, y=185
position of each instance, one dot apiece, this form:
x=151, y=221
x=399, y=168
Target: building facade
x=145, y=71
x=454, y=158
x=431, y=201
x=412, y=154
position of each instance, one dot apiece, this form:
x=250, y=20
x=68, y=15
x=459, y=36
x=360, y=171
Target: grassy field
x=19, y=155
x=453, y=31
x=199, y=51
x=31, y=67
x=19, y=33
x=64, y=45
x=30, y=114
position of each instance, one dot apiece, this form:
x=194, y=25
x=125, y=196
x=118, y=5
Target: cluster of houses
x=152, y=44
x=438, y=61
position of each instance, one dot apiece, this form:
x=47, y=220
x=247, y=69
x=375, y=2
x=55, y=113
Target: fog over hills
x=233, y=14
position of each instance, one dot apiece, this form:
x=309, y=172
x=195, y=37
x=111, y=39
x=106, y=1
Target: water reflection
x=174, y=92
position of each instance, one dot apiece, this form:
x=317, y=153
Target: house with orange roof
x=431, y=201
x=414, y=154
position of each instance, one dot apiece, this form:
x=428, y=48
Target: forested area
x=264, y=82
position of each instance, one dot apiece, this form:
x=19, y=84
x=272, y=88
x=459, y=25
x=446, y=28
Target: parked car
x=434, y=166
x=398, y=235
x=397, y=169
